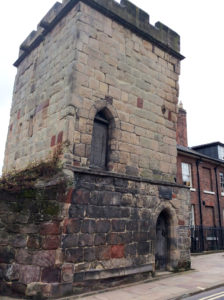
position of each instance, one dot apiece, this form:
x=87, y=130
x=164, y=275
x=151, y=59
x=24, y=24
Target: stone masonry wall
x=30, y=240
x=66, y=237
x=57, y=241
x=137, y=82
x=39, y=112
x=87, y=62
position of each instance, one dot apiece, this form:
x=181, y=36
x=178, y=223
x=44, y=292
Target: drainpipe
x=218, y=202
x=200, y=210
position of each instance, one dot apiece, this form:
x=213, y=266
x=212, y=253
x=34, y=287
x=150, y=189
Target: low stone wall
x=30, y=238
x=56, y=240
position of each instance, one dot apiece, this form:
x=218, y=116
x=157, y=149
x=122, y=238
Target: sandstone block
x=114, y=92
x=89, y=254
x=67, y=272
x=51, y=242
x=45, y=258
x=88, y=226
x=50, y=228
x=74, y=255
x=29, y=274
x=50, y=275
x=103, y=226
x=70, y=241
x=72, y=226
x=117, y=251
x=100, y=239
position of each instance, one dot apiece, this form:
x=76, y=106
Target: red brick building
x=202, y=169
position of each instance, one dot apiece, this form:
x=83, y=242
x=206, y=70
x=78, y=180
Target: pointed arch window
x=99, y=145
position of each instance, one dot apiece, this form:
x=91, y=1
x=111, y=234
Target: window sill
x=192, y=189
x=209, y=192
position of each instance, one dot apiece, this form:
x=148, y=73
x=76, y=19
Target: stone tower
x=98, y=81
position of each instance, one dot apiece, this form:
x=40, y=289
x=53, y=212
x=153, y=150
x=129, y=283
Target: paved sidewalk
x=208, y=272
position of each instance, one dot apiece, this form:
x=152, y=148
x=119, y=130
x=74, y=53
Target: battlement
x=125, y=13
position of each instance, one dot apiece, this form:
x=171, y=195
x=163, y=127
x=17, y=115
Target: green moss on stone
x=51, y=209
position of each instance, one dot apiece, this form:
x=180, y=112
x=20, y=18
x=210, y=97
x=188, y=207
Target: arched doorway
x=162, y=251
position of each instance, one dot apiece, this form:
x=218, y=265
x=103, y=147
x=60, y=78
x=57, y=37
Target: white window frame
x=186, y=174
x=192, y=215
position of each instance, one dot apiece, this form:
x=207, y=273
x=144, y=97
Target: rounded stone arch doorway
x=162, y=244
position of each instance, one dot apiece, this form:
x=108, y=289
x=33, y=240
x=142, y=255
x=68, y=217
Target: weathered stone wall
x=85, y=57
x=141, y=82
x=30, y=239
x=89, y=61
x=39, y=112
x=56, y=241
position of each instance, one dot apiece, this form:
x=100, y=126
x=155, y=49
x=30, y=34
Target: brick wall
x=208, y=190
x=182, y=127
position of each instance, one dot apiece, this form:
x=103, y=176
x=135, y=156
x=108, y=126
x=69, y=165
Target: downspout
x=218, y=202
x=199, y=200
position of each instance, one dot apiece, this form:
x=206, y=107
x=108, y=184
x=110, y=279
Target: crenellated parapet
x=125, y=13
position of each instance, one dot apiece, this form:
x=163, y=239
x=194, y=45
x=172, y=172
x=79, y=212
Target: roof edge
x=125, y=13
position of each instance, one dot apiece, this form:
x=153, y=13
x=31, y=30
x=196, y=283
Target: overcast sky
x=200, y=24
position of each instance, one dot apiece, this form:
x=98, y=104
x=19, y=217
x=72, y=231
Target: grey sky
x=200, y=24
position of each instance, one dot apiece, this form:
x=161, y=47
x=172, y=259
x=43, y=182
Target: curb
x=152, y=279
x=192, y=293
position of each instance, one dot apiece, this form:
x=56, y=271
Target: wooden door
x=99, y=145
x=161, y=254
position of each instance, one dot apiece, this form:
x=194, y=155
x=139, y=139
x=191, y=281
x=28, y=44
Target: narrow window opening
x=99, y=146
x=30, y=128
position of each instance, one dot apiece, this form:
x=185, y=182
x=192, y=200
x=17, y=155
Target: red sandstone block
x=69, y=196
x=174, y=196
x=42, y=106
x=140, y=103
x=181, y=222
x=60, y=137
x=50, y=228
x=117, y=251
x=28, y=274
x=10, y=127
x=45, y=258
x=51, y=242
x=53, y=140
x=18, y=114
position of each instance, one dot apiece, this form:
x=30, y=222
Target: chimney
x=181, y=133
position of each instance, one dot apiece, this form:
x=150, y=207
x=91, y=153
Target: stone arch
x=110, y=111
x=165, y=214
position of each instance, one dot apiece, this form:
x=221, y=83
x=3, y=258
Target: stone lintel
x=117, y=272
x=103, y=173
